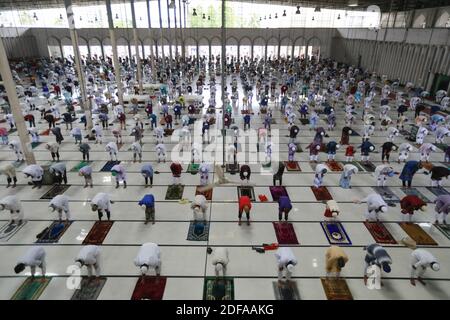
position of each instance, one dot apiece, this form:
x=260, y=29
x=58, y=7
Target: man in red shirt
x=245, y=204
x=176, y=169
x=57, y=90
x=409, y=204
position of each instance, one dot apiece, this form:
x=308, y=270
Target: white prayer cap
x=435, y=266
x=290, y=267
x=144, y=270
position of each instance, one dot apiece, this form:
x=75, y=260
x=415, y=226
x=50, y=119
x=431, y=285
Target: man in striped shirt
x=377, y=255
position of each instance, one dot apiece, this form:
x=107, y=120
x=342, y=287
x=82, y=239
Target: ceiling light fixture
x=96, y=19
x=270, y=16
x=117, y=16
x=339, y=16
x=81, y=19
x=34, y=15
x=194, y=13
x=298, y=10
x=317, y=9
x=284, y=13
x=204, y=16
x=60, y=17
x=313, y=18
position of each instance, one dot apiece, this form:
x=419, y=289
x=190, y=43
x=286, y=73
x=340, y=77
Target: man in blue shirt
x=149, y=202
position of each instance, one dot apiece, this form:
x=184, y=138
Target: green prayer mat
x=193, y=168
x=89, y=289
x=174, y=192
x=286, y=290
x=444, y=228
x=31, y=289
x=80, y=165
x=218, y=289
x=35, y=144
x=442, y=146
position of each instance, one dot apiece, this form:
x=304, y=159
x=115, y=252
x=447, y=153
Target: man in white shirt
x=89, y=256
x=34, y=257
x=149, y=257
x=286, y=261
x=421, y=259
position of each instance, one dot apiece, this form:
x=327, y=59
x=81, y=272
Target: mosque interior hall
x=224, y=150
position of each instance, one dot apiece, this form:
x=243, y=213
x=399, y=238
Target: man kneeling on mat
x=148, y=257
x=89, y=256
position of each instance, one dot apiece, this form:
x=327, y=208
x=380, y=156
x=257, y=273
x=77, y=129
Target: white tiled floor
x=186, y=263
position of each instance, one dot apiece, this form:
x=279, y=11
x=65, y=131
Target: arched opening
x=54, y=49
x=216, y=48
x=232, y=48
x=122, y=48
x=203, y=48
x=272, y=48
x=313, y=48
x=66, y=44
x=299, y=48
x=96, y=47
x=107, y=48
x=148, y=43
x=285, y=48
x=245, y=48
x=259, y=46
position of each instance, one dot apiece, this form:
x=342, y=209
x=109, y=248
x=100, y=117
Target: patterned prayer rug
x=246, y=191
x=149, y=288
x=444, y=228
x=415, y=192
x=334, y=166
x=35, y=144
x=286, y=290
x=380, y=233
x=198, y=231
x=45, y=132
x=175, y=192
x=277, y=192
x=304, y=121
x=356, y=164
x=292, y=166
x=299, y=148
x=388, y=196
x=168, y=132
x=81, y=165
x=55, y=190
x=336, y=289
x=54, y=232
x=31, y=289
x=438, y=191
x=98, y=232
x=107, y=167
x=354, y=133
x=368, y=166
x=89, y=289
x=442, y=146
x=285, y=233
x=218, y=289
x=193, y=168
x=208, y=193
x=321, y=193
x=232, y=168
x=8, y=230
x=417, y=234
x=335, y=233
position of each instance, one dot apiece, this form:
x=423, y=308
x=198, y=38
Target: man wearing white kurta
x=34, y=257
x=421, y=259
x=375, y=205
x=60, y=203
x=12, y=203
x=89, y=256
x=149, y=256
x=220, y=260
x=285, y=262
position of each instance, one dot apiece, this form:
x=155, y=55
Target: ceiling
x=385, y=5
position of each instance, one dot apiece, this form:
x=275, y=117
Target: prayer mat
x=299, y=148
x=441, y=146
x=54, y=232
x=368, y=166
x=98, y=232
x=304, y=121
x=273, y=121
x=336, y=289
x=292, y=166
x=334, y=166
x=207, y=193
x=149, y=288
x=388, y=196
x=17, y=164
x=438, y=191
x=444, y=228
x=321, y=193
x=107, y=167
x=335, y=233
x=246, y=191
x=55, y=190
x=277, y=192
x=313, y=165
x=198, y=231
x=193, y=168
x=354, y=133
x=35, y=144
x=404, y=132
x=218, y=289
x=415, y=192
x=380, y=233
x=168, y=132
x=175, y=192
x=232, y=168
x=285, y=233
x=286, y=290
x=31, y=289
x=356, y=164
x=45, y=132
x=417, y=234
x=80, y=165
x=12, y=131
x=89, y=289
x=10, y=229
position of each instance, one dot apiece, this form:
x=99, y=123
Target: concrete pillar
x=152, y=54
x=168, y=27
x=183, y=48
x=136, y=46
x=112, y=35
x=161, y=31
x=223, y=79
x=84, y=103
x=16, y=109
